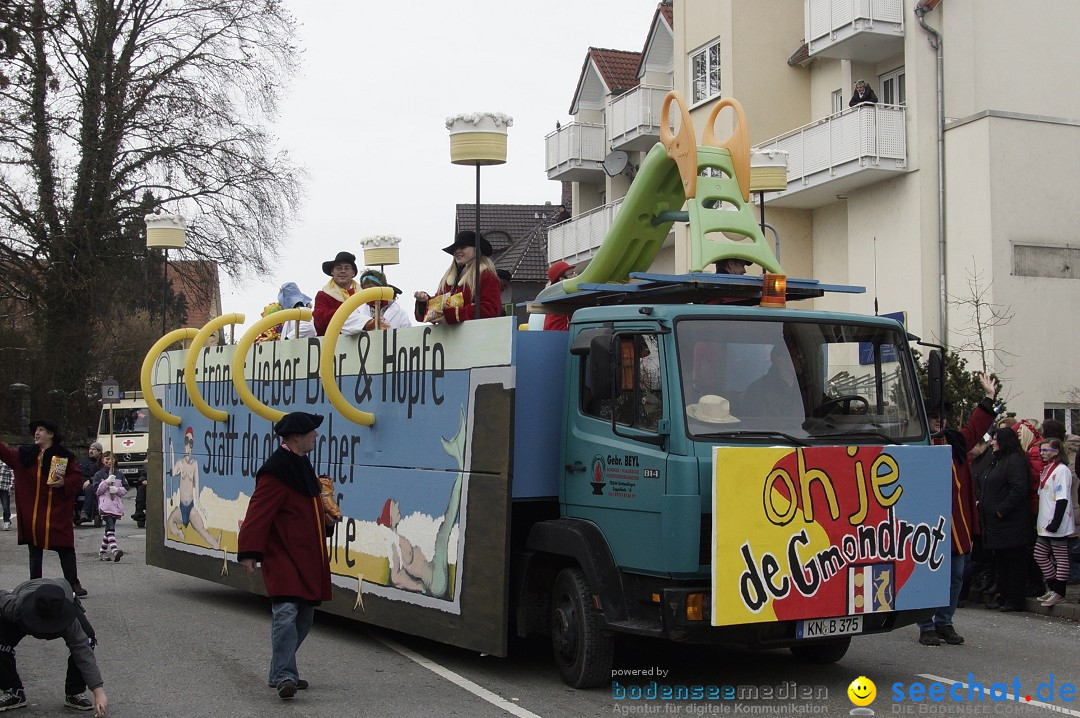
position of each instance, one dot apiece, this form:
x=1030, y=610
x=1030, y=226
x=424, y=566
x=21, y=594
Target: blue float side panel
x=540, y=360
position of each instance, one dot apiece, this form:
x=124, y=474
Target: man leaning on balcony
x=862, y=94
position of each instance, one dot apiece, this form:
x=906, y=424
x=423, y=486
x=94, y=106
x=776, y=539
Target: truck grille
x=131, y=458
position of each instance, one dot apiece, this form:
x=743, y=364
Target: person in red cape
x=457, y=285
x=285, y=528
x=47, y=480
x=556, y=273
x=342, y=285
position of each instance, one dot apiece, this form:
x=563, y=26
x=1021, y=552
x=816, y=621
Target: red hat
x=556, y=270
x=384, y=517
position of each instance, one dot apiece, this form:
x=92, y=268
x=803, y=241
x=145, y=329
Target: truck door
x=617, y=431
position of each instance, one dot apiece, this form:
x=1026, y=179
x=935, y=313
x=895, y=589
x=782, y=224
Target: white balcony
x=634, y=118
x=861, y=30
x=575, y=153
x=577, y=239
x=845, y=151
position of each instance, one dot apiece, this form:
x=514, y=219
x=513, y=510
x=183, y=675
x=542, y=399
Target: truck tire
x=829, y=651
x=583, y=653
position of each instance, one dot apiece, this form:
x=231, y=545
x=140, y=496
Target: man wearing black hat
x=342, y=285
x=282, y=530
x=47, y=480
x=455, y=298
x=46, y=608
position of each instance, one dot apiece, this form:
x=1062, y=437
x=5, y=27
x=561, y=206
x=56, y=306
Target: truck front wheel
x=822, y=651
x=582, y=651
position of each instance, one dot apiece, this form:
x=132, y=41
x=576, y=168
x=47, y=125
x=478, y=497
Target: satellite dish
x=615, y=163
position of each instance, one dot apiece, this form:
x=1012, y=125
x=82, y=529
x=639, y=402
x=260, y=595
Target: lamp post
x=165, y=231
x=768, y=173
x=382, y=250
x=478, y=138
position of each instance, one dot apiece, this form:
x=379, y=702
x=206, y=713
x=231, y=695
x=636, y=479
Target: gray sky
x=365, y=118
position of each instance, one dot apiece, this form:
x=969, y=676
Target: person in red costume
x=556, y=273
x=457, y=285
x=285, y=530
x=342, y=285
x=47, y=480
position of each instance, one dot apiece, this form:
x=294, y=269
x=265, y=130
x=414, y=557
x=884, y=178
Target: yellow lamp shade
x=165, y=231
x=478, y=138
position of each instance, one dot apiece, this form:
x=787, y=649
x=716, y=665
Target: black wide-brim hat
x=47, y=610
x=467, y=238
x=341, y=258
x=298, y=422
x=48, y=426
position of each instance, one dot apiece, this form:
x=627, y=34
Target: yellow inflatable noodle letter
x=326, y=361
x=193, y=354
x=240, y=358
x=147, y=381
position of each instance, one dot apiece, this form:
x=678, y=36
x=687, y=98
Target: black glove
x=1059, y=514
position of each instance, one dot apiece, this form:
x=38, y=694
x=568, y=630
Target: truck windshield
x=805, y=380
x=125, y=421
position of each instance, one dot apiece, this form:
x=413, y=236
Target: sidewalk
x=1070, y=609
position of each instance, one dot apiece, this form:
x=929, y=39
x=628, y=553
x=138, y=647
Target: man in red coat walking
x=285, y=529
x=47, y=480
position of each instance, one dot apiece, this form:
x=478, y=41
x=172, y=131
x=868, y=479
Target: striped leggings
x=1052, y=557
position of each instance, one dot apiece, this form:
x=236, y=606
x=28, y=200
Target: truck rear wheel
x=582, y=651
x=829, y=651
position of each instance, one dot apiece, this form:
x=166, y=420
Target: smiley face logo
x=862, y=691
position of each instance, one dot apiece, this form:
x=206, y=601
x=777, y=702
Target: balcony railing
x=850, y=149
x=863, y=30
x=634, y=118
x=577, y=239
x=575, y=152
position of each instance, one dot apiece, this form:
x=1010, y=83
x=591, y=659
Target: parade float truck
x=693, y=461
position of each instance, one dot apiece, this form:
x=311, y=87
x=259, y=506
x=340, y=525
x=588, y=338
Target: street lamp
x=165, y=231
x=382, y=250
x=768, y=173
x=478, y=138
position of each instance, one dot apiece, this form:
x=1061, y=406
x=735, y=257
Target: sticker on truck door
x=807, y=533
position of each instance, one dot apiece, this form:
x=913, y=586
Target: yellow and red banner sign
x=829, y=531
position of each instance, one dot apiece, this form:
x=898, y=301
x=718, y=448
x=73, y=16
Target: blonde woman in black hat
x=47, y=480
x=456, y=289
x=46, y=608
x=342, y=285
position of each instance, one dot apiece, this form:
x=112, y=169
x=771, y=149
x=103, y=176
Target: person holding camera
x=110, y=493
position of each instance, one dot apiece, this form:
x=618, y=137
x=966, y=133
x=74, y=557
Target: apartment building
x=956, y=183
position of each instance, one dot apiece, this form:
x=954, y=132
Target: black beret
x=298, y=422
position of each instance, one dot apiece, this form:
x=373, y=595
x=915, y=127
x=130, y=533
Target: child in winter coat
x=110, y=491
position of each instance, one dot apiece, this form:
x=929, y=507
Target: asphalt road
x=176, y=646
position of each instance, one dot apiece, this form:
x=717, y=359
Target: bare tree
x=117, y=108
x=984, y=317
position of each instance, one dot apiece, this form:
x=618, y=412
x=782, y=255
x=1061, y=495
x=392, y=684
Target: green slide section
x=718, y=207
x=643, y=222
x=633, y=241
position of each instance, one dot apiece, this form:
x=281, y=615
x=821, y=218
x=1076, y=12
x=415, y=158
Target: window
x=637, y=388
x=837, y=101
x=1068, y=414
x=804, y=379
x=893, y=89
x=705, y=73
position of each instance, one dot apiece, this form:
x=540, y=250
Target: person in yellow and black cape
x=47, y=480
x=342, y=285
x=285, y=529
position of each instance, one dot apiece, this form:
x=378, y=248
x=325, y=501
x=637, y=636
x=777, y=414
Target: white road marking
x=459, y=680
x=1008, y=696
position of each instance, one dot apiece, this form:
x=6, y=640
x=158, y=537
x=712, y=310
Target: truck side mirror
x=935, y=375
